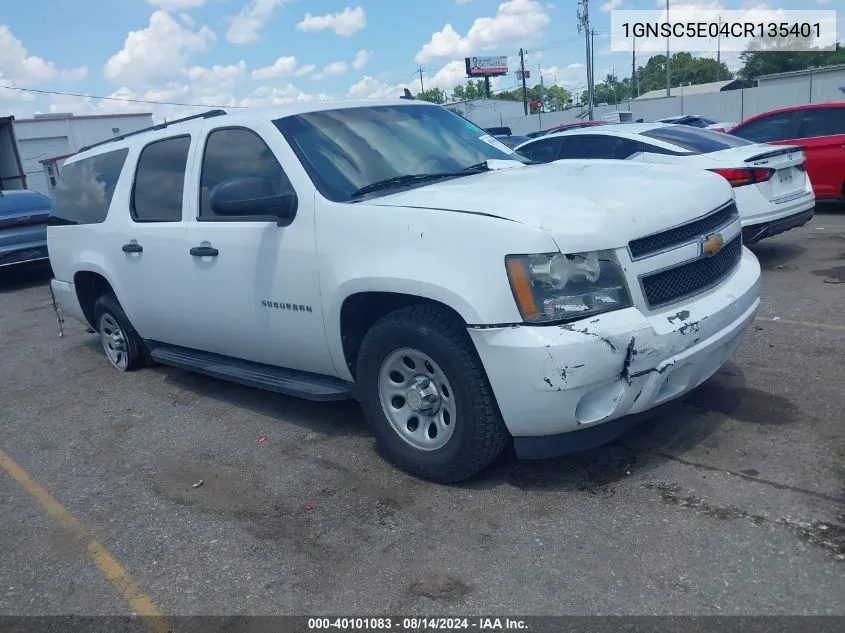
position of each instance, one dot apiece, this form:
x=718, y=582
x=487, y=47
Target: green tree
x=766, y=57
x=473, y=89
x=434, y=95
x=684, y=69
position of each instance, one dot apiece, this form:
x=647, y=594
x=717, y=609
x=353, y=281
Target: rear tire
x=122, y=345
x=426, y=396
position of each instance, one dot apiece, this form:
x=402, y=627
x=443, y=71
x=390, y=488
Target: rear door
x=821, y=132
x=147, y=237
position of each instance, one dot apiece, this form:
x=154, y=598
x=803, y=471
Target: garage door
x=35, y=150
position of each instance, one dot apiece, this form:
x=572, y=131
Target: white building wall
x=43, y=138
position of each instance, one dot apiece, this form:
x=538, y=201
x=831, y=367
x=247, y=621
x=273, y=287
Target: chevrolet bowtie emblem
x=712, y=244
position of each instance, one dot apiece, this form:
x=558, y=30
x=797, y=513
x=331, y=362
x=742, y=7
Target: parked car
x=536, y=134
x=23, y=227
x=819, y=128
x=773, y=193
x=696, y=120
x=384, y=251
x=512, y=141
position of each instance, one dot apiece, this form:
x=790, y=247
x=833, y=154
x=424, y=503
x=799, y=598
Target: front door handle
x=132, y=247
x=204, y=251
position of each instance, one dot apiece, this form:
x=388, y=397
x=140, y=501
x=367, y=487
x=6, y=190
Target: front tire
x=426, y=396
x=121, y=343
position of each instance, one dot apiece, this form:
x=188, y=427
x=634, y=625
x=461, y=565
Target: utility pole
x=668, y=82
x=584, y=25
x=592, y=66
x=542, y=100
x=719, y=48
x=421, y=71
x=634, y=70
x=522, y=74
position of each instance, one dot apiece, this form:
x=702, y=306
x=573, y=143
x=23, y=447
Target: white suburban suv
x=393, y=252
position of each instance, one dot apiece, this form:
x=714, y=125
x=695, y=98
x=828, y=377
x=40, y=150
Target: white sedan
x=773, y=193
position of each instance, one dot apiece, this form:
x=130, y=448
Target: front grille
x=683, y=234
x=676, y=283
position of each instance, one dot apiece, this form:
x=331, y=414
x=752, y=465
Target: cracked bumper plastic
x=559, y=379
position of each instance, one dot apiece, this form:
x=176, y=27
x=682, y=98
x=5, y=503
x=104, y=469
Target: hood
x=583, y=204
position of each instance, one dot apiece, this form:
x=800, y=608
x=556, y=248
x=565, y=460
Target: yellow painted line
x=821, y=326
x=114, y=572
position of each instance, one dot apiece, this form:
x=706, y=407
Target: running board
x=286, y=381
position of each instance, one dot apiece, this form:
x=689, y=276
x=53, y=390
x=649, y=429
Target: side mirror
x=252, y=196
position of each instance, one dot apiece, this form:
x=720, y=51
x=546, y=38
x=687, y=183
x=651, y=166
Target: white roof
x=243, y=115
x=695, y=89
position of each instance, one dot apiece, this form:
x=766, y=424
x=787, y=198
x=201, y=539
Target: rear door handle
x=204, y=251
x=132, y=247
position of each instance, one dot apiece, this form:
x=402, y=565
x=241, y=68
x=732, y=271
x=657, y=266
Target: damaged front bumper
x=573, y=379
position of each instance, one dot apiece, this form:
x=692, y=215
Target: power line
x=124, y=99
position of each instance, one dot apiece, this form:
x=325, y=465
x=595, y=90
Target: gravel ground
x=729, y=502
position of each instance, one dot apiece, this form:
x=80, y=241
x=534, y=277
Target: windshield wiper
x=410, y=179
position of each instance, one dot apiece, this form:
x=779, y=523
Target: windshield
x=348, y=150
x=696, y=140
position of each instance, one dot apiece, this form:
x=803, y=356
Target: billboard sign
x=487, y=66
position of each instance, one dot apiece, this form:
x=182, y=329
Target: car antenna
x=407, y=95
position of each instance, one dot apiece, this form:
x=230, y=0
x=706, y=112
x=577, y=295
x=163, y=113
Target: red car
x=817, y=127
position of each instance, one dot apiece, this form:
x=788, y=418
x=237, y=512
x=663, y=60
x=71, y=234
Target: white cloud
x=343, y=23
x=18, y=67
x=329, y=70
x=513, y=20
x=244, y=27
x=371, y=88
x=279, y=95
x=572, y=76
x=176, y=5
x=157, y=52
x=304, y=70
x=449, y=76
x=187, y=19
x=279, y=68
x=361, y=59
x=610, y=5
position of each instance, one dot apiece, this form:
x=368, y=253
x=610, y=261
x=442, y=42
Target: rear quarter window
x=696, y=140
x=85, y=189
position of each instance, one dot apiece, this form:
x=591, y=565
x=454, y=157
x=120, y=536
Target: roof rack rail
x=204, y=115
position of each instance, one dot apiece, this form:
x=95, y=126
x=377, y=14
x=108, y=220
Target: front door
x=251, y=286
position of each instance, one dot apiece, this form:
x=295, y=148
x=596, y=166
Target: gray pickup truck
x=23, y=227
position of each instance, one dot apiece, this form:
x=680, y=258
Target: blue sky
x=266, y=52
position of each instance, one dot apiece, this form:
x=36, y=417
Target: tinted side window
x=695, y=140
x=237, y=153
x=777, y=127
x=597, y=146
x=85, y=189
x=543, y=151
x=821, y=122
x=160, y=181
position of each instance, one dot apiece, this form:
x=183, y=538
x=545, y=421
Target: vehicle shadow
x=672, y=430
x=773, y=254
x=24, y=276
x=327, y=418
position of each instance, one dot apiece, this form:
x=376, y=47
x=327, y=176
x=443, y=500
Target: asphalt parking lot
x=730, y=502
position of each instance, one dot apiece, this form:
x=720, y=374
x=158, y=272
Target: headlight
x=553, y=287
